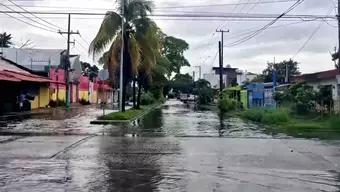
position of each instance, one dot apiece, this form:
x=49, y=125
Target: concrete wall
x=43, y=99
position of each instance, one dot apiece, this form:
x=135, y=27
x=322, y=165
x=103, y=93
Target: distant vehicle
x=187, y=98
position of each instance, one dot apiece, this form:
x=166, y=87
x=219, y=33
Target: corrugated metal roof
x=4, y=65
x=35, y=59
x=10, y=72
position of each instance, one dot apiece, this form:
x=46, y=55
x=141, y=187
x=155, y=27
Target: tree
x=182, y=83
x=5, y=40
x=280, y=68
x=174, y=50
x=140, y=42
x=88, y=70
x=202, y=88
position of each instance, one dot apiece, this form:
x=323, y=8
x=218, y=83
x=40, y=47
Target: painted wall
x=83, y=86
x=42, y=100
x=57, y=86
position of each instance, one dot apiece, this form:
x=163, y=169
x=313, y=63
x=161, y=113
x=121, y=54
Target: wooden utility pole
x=222, y=42
x=67, y=64
x=221, y=67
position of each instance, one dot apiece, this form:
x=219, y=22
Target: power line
x=224, y=4
x=242, y=40
x=226, y=15
x=20, y=7
x=27, y=22
x=166, y=7
x=311, y=36
x=22, y=14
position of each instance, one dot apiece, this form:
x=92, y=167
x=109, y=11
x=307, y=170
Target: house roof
x=313, y=77
x=9, y=71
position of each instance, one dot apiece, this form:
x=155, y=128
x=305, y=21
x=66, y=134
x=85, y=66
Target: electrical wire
x=36, y=26
x=311, y=36
x=48, y=28
x=43, y=20
x=247, y=38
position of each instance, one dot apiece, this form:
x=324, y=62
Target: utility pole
x=221, y=67
x=222, y=42
x=338, y=16
x=121, y=84
x=66, y=65
x=199, y=72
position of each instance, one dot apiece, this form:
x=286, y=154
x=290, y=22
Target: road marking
x=72, y=146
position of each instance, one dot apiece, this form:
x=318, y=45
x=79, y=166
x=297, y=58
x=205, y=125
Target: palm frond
x=107, y=32
x=135, y=54
x=137, y=9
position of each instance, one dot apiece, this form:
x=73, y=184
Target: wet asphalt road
x=176, y=149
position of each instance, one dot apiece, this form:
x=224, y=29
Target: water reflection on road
x=173, y=119
x=177, y=119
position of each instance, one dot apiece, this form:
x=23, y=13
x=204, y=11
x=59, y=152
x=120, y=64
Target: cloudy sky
x=282, y=40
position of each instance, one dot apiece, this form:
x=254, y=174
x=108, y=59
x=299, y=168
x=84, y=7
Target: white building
x=244, y=76
x=329, y=78
x=214, y=79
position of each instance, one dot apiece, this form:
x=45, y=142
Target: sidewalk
x=41, y=111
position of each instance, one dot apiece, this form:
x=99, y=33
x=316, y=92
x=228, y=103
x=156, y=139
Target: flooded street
x=174, y=148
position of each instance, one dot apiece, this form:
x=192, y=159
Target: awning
x=17, y=77
x=4, y=77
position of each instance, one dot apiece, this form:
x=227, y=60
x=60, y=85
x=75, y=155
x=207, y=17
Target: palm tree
x=139, y=38
x=5, y=40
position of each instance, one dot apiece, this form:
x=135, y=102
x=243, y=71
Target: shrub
x=58, y=103
x=272, y=116
x=277, y=116
x=334, y=122
x=147, y=98
x=226, y=105
x=253, y=114
x=84, y=101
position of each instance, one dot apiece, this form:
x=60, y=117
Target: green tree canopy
x=182, y=83
x=5, y=40
x=174, y=49
x=280, y=68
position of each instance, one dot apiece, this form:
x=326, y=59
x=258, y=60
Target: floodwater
x=174, y=148
x=173, y=119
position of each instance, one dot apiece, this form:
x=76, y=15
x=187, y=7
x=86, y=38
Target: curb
x=112, y=122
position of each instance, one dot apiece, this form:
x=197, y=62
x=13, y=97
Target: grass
x=128, y=114
x=308, y=126
x=267, y=116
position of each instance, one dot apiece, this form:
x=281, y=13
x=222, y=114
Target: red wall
x=58, y=78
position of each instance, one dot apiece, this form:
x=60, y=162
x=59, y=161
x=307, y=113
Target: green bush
x=127, y=115
x=226, y=105
x=334, y=122
x=147, y=98
x=253, y=115
x=277, y=116
x=271, y=116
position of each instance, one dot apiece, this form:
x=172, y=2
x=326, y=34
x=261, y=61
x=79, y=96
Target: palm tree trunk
x=139, y=93
x=134, y=92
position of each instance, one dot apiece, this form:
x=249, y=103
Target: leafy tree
x=5, y=40
x=88, y=70
x=202, y=88
x=280, y=68
x=174, y=49
x=301, y=95
x=182, y=83
x=140, y=40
